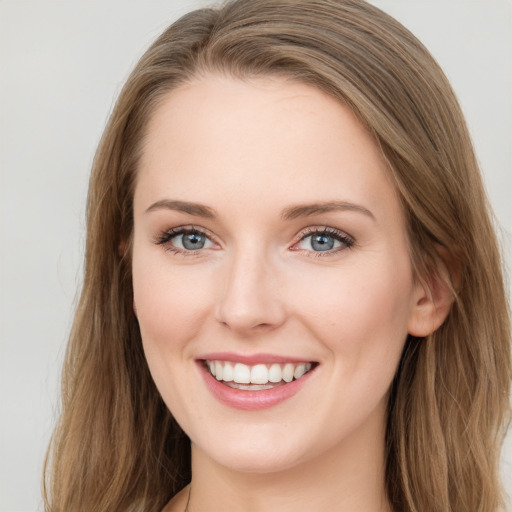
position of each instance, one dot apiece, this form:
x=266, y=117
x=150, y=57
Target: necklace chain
x=188, y=499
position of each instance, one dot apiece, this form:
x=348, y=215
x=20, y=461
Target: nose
x=251, y=295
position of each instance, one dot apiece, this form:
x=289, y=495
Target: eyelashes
x=186, y=240
x=323, y=241
x=313, y=241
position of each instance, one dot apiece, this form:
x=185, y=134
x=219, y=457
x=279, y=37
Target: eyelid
x=338, y=234
x=311, y=230
x=164, y=237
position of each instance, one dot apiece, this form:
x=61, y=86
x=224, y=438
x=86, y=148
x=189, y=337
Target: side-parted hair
x=116, y=446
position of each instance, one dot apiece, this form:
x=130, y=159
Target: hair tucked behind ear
x=116, y=446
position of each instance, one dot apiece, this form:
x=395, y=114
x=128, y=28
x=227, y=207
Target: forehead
x=219, y=138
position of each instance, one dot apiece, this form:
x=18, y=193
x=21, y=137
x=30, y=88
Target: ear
x=433, y=297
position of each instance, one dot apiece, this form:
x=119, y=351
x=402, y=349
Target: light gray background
x=62, y=64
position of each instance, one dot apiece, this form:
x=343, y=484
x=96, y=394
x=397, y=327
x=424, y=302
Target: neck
x=350, y=477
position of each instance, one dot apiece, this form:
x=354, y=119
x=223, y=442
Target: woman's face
x=269, y=241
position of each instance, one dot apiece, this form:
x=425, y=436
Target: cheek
x=361, y=319
x=360, y=312
x=171, y=302
x=171, y=308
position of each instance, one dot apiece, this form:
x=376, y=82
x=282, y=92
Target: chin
x=265, y=454
x=255, y=461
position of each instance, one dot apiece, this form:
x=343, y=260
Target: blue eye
x=185, y=240
x=190, y=241
x=322, y=242
x=325, y=241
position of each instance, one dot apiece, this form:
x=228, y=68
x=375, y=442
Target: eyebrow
x=289, y=213
x=196, y=209
x=308, y=210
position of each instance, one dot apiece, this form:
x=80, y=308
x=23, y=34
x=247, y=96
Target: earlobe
x=433, y=300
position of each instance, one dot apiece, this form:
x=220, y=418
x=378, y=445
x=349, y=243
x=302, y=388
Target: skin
x=249, y=150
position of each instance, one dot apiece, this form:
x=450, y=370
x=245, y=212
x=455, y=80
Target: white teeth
x=288, y=372
x=242, y=374
x=227, y=373
x=299, y=371
x=251, y=387
x=259, y=376
x=218, y=370
x=275, y=374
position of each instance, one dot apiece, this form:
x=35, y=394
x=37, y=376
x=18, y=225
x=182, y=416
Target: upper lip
x=251, y=359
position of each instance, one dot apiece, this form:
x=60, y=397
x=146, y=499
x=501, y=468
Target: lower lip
x=252, y=400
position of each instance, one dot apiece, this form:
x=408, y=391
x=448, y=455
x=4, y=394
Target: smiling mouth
x=256, y=377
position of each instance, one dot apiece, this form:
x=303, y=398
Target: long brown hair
x=116, y=446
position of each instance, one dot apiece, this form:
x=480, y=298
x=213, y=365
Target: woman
x=293, y=295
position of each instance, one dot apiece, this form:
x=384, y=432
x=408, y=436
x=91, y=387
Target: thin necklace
x=188, y=499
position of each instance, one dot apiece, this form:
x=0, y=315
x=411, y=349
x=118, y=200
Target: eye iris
x=193, y=241
x=322, y=242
